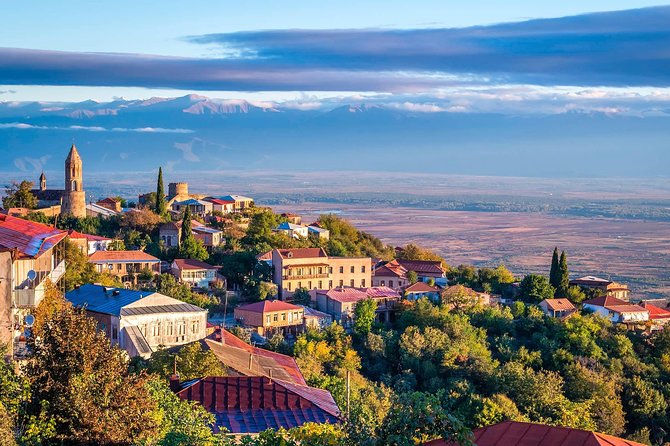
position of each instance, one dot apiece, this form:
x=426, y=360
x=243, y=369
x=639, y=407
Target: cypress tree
x=186, y=233
x=564, y=277
x=160, y=194
x=554, y=274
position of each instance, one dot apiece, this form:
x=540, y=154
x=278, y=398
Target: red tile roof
x=421, y=287
x=220, y=202
x=302, y=253
x=559, y=304
x=235, y=353
x=349, y=294
x=89, y=237
x=121, y=257
x=253, y=404
x=515, y=433
x=390, y=270
x=265, y=256
x=656, y=312
x=267, y=306
x=614, y=304
x=192, y=264
x=29, y=238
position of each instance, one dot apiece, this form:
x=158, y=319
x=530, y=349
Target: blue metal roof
x=107, y=300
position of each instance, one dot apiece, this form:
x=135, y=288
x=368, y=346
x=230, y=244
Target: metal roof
x=138, y=340
x=253, y=404
x=31, y=239
x=109, y=300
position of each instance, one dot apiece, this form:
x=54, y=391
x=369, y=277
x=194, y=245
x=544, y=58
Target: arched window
x=73, y=172
x=74, y=184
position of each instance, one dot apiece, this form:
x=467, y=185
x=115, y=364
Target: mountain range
x=197, y=133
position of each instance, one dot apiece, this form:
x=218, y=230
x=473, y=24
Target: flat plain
x=634, y=251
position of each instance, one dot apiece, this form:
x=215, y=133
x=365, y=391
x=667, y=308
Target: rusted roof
x=89, y=237
x=121, y=257
x=515, y=433
x=559, y=304
x=656, y=312
x=245, y=405
x=235, y=354
x=302, y=253
x=421, y=287
x=192, y=264
x=267, y=306
x=29, y=238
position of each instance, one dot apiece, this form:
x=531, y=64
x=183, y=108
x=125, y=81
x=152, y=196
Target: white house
x=295, y=231
x=617, y=310
x=194, y=272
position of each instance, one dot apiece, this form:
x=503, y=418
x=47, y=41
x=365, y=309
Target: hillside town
x=272, y=326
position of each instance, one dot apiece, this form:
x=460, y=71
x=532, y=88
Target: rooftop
x=109, y=300
x=348, y=294
x=516, y=433
x=121, y=257
x=421, y=266
x=302, y=253
x=192, y=264
x=31, y=239
x=656, y=312
x=267, y=306
x=253, y=404
x=559, y=304
x=89, y=237
x=421, y=287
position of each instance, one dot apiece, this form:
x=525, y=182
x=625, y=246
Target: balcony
x=31, y=293
x=305, y=276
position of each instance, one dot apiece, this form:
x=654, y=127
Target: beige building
x=140, y=322
x=124, y=264
x=606, y=287
x=341, y=302
x=31, y=254
x=313, y=269
x=271, y=315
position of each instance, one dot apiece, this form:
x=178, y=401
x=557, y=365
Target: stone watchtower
x=74, y=199
x=43, y=182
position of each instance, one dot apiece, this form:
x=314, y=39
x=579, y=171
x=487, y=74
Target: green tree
x=79, y=271
x=458, y=297
x=576, y=295
x=189, y=246
x=160, y=206
x=564, y=276
x=365, y=312
x=412, y=277
x=167, y=284
x=82, y=383
x=301, y=297
x=535, y=288
x=19, y=195
x=6, y=428
x=192, y=362
x=554, y=272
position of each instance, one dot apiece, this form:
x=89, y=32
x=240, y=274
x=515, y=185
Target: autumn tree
x=192, y=362
x=19, y=195
x=82, y=383
x=412, y=277
x=458, y=297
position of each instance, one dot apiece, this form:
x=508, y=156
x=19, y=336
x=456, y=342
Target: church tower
x=43, y=182
x=74, y=199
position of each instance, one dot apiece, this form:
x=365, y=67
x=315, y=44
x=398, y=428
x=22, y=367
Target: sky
x=423, y=52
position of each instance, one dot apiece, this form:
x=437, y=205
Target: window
x=181, y=328
x=330, y=284
x=103, y=327
x=351, y=283
x=299, y=284
x=353, y=269
x=283, y=316
x=341, y=283
x=155, y=329
x=195, y=326
x=330, y=270
x=288, y=286
x=341, y=270
x=390, y=284
x=382, y=283
x=309, y=284
x=363, y=268
x=267, y=319
x=168, y=329
x=275, y=317
x=320, y=270
x=320, y=285
x=363, y=283
x=115, y=333
x=290, y=317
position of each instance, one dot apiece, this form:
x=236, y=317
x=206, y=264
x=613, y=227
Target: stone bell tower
x=74, y=199
x=43, y=182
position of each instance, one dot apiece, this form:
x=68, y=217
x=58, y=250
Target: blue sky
x=418, y=51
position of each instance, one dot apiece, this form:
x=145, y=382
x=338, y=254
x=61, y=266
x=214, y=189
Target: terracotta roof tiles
x=121, y=257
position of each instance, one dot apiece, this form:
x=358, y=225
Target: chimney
x=174, y=383
x=251, y=361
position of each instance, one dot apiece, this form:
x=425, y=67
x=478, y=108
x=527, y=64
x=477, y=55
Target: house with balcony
x=196, y=273
x=125, y=264
x=242, y=203
x=88, y=243
x=341, y=302
x=197, y=207
x=31, y=254
x=313, y=269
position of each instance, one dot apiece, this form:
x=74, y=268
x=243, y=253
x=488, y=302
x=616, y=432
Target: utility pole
x=348, y=391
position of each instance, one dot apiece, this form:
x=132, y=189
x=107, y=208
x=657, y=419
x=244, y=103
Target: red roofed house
x=250, y=405
x=606, y=287
x=271, y=315
x=557, y=307
x=313, y=269
x=124, y=264
x=657, y=315
x=340, y=302
x=419, y=290
x=617, y=310
x=111, y=203
x=516, y=433
x=196, y=273
x=88, y=244
x=242, y=359
x=30, y=253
